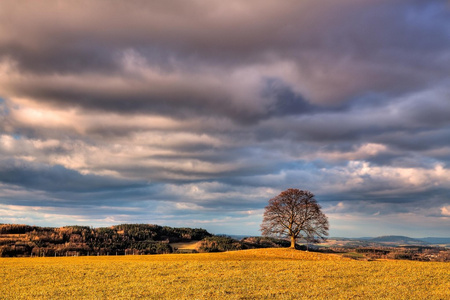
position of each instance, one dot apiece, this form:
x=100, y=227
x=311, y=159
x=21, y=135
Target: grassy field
x=247, y=274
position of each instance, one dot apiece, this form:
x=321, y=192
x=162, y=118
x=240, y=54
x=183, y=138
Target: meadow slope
x=246, y=274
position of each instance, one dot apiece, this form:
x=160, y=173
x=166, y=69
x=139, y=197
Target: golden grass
x=248, y=274
x=185, y=246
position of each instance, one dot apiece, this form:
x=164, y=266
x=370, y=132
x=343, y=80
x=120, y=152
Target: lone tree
x=296, y=214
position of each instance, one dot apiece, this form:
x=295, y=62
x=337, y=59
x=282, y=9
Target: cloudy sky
x=195, y=113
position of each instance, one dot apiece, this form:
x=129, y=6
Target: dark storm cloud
x=408, y=203
x=417, y=141
x=412, y=122
x=287, y=101
x=408, y=51
x=57, y=178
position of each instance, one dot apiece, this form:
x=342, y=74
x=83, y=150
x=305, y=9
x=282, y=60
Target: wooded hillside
x=25, y=240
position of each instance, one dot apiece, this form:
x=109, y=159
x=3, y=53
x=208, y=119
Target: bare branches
x=296, y=214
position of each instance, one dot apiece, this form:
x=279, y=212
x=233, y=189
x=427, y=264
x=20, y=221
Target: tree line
x=25, y=240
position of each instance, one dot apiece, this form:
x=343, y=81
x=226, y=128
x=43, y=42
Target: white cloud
x=445, y=211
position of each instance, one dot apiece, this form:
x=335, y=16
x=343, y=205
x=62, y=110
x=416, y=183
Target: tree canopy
x=296, y=214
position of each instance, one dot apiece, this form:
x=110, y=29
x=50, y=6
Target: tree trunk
x=292, y=242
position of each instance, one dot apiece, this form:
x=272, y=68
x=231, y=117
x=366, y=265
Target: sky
x=196, y=113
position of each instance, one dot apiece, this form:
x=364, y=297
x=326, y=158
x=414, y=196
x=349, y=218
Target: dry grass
x=185, y=246
x=249, y=274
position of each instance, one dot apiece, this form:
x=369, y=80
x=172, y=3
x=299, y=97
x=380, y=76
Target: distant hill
x=397, y=240
x=25, y=240
x=235, y=236
x=436, y=240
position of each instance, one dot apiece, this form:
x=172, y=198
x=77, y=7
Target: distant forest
x=124, y=239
